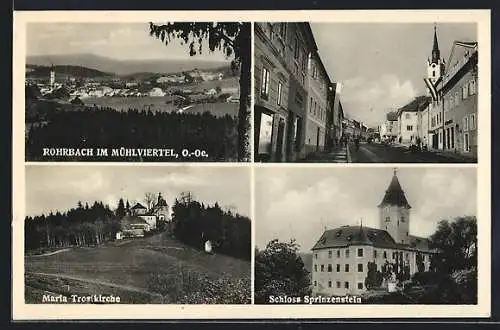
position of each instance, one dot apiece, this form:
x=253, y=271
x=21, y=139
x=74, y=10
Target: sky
x=119, y=41
x=381, y=66
x=52, y=188
x=299, y=203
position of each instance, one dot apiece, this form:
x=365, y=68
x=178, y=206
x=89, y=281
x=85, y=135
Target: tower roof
x=435, y=48
x=394, y=195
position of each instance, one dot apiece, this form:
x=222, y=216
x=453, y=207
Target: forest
x=95, y=127
x=194, y=223
x=81, y=226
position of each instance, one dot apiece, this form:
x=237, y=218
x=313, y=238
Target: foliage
x=194, y=223
x=279, y=270
x=80, y=226
x=374, y=277
x=456, y=241
x=233, y=39
x=186, y=286
x=108, y=128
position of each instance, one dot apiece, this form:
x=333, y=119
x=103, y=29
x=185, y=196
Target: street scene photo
x=137, y=235
x=366, y=92
x=366, y=235
x=147, y=92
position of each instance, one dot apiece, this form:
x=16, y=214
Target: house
x=156, y=92
x=341, y=255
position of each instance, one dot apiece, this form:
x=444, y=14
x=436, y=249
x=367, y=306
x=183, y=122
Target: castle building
x=341, y=255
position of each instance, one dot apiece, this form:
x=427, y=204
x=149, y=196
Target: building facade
x=280, y=74
x=341, y=255
x=318, y=91
x=459, y=93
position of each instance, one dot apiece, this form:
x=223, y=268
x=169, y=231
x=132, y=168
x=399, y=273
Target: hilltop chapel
x=341, y=255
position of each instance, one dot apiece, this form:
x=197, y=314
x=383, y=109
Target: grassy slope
x=129, y=265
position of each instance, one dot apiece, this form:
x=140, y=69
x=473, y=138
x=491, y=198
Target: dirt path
x=49, y=253
x=98, y=282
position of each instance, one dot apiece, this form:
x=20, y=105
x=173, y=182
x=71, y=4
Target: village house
x=341, y=255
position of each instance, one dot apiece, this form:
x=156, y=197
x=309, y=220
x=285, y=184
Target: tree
x=149, y=199
x=456, y=242
x=218, y=89
x=374, y=278
x=233, y=39
x=120, y=211
x=279, y=270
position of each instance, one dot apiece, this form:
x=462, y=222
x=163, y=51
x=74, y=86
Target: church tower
x=394, y=212
x=435, y=65
x=52, y=78
x=161, y=209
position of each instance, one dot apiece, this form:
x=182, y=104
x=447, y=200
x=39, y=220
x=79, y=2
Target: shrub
x=429, y=278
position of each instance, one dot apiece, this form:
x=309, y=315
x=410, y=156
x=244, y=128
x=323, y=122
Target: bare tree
x=149, y=199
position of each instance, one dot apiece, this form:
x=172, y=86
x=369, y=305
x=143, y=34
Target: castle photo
x=383, y=235
x=341, y=255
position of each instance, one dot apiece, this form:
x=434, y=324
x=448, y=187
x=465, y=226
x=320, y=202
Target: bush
x=186, y=286
x=429, y=278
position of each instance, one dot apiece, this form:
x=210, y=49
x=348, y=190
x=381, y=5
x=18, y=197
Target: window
x=360, y=252
x=329, y=284
x=374, y=254
x=346, y=285
x=472, y=87
x=394, y=255
x=315, y=283
x=338, y=268
x=311, y=106
x=330, y=254
x=385, y=254
x=264, y=84
x=387, y=219
x=338, y=284
x=322, y=268
x=338, y=253
x=329, y=268
x=465, y=91
x=407, y=256
x=360, y=268
x=315, y=268
x=402, y=219
x=360, y=285
x=472, y=122
x=409, y=127
x=280, y=92
x=466, y=123
x=316, y=256
x=347, y=253
x=346, y=268
x=466, y=142
x=407, y=116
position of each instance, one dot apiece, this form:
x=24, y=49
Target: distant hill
x=125, y=67
x=64, y=70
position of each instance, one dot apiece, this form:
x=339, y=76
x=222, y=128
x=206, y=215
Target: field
x=130, y=270
x=162, y=104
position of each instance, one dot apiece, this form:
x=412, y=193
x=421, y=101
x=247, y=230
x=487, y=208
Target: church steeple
x=394, y=195
x=436, y=54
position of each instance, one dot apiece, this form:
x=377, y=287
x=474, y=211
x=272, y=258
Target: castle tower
x=394, y=212
x=161, y=209
x=435, y=65
x=52, y=78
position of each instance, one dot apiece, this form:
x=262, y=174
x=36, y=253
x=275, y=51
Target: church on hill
x=341, y=255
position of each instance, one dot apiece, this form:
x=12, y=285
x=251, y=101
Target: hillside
x=134, y=268
x=64, y=71
x=125, y=67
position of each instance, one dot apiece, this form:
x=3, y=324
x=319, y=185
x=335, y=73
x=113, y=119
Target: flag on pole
x=466, y=44
x=432, y=87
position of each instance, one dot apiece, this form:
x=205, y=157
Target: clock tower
x=394, y=212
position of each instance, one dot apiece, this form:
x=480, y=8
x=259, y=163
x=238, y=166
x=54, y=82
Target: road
x=378, y=153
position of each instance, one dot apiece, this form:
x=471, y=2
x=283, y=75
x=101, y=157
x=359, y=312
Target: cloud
x=370, y=100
